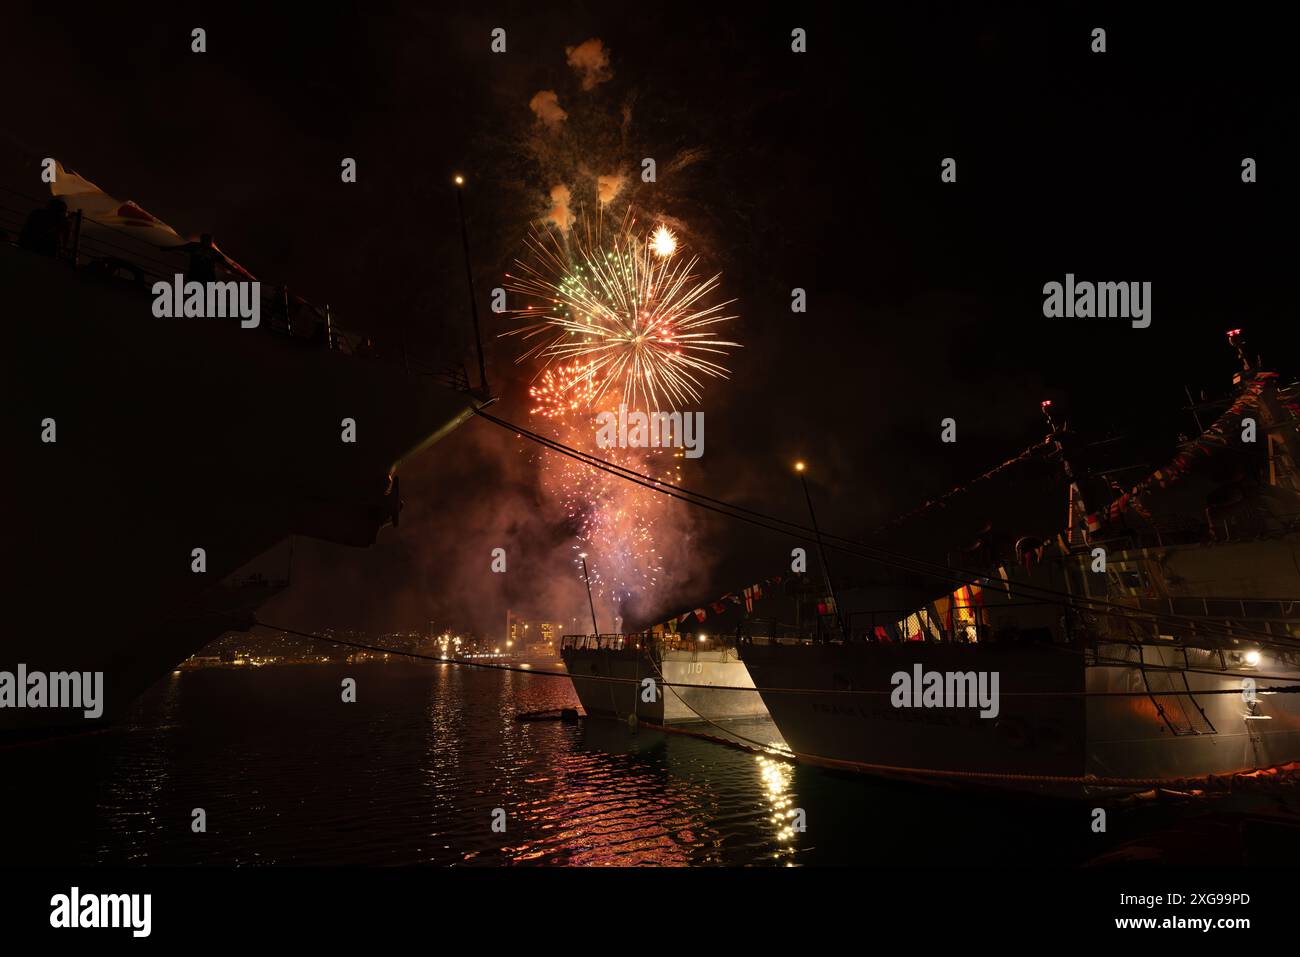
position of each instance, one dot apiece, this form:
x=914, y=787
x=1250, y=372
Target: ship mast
x=1278, y=420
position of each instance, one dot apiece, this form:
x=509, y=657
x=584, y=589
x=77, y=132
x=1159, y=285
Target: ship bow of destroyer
x=172, y=435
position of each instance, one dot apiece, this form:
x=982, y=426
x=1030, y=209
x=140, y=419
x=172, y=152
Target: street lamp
x=821, y=549
x=459, y=180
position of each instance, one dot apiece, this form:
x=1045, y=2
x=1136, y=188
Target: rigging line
x=1092, y=605
x=66, y=196
x=928, y=505
x=916, y=565
x=97, y=239
x=1288, y=689
x=919, y=564
x=897, y=560
x=87, y=239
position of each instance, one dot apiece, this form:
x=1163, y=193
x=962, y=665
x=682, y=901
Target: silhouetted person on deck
x=46, y=230
x=203, y=260
x=205, y=257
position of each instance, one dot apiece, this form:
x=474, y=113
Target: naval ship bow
x=141, y=439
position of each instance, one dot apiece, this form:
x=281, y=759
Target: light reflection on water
x=411, y=773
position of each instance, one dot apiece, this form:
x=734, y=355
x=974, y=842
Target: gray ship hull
x=1062, y=743
x=1146, y=679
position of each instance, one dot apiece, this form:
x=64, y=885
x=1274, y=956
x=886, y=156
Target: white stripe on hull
x=673, y=705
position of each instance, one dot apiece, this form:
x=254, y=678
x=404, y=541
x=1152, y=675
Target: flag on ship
x=98, y=208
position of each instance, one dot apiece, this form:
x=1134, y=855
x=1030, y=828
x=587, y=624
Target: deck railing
x=603, y=642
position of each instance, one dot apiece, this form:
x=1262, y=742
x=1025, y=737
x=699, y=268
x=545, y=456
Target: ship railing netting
x=1180, y=620
x=602, y=642
x=131, y=262
x=633, y=641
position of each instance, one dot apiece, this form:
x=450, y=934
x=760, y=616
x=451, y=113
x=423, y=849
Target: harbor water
x=430, y=757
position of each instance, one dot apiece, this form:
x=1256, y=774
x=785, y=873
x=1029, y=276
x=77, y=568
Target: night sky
x=820, y=171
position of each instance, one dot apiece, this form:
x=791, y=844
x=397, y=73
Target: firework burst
x=619, y=524
x=563, y=389
x=663, y=242
x=629, y=308
x=616, y=316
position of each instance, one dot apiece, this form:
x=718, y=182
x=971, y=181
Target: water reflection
x=777, y=776
x=140, y=776
x=414, y=771
x=410, y=773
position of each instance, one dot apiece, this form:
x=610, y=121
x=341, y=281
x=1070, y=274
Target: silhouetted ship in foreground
x=176, y=434
x=1135, y=650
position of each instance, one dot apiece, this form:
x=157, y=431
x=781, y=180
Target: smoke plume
x=590, y=60
x=545, y=104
